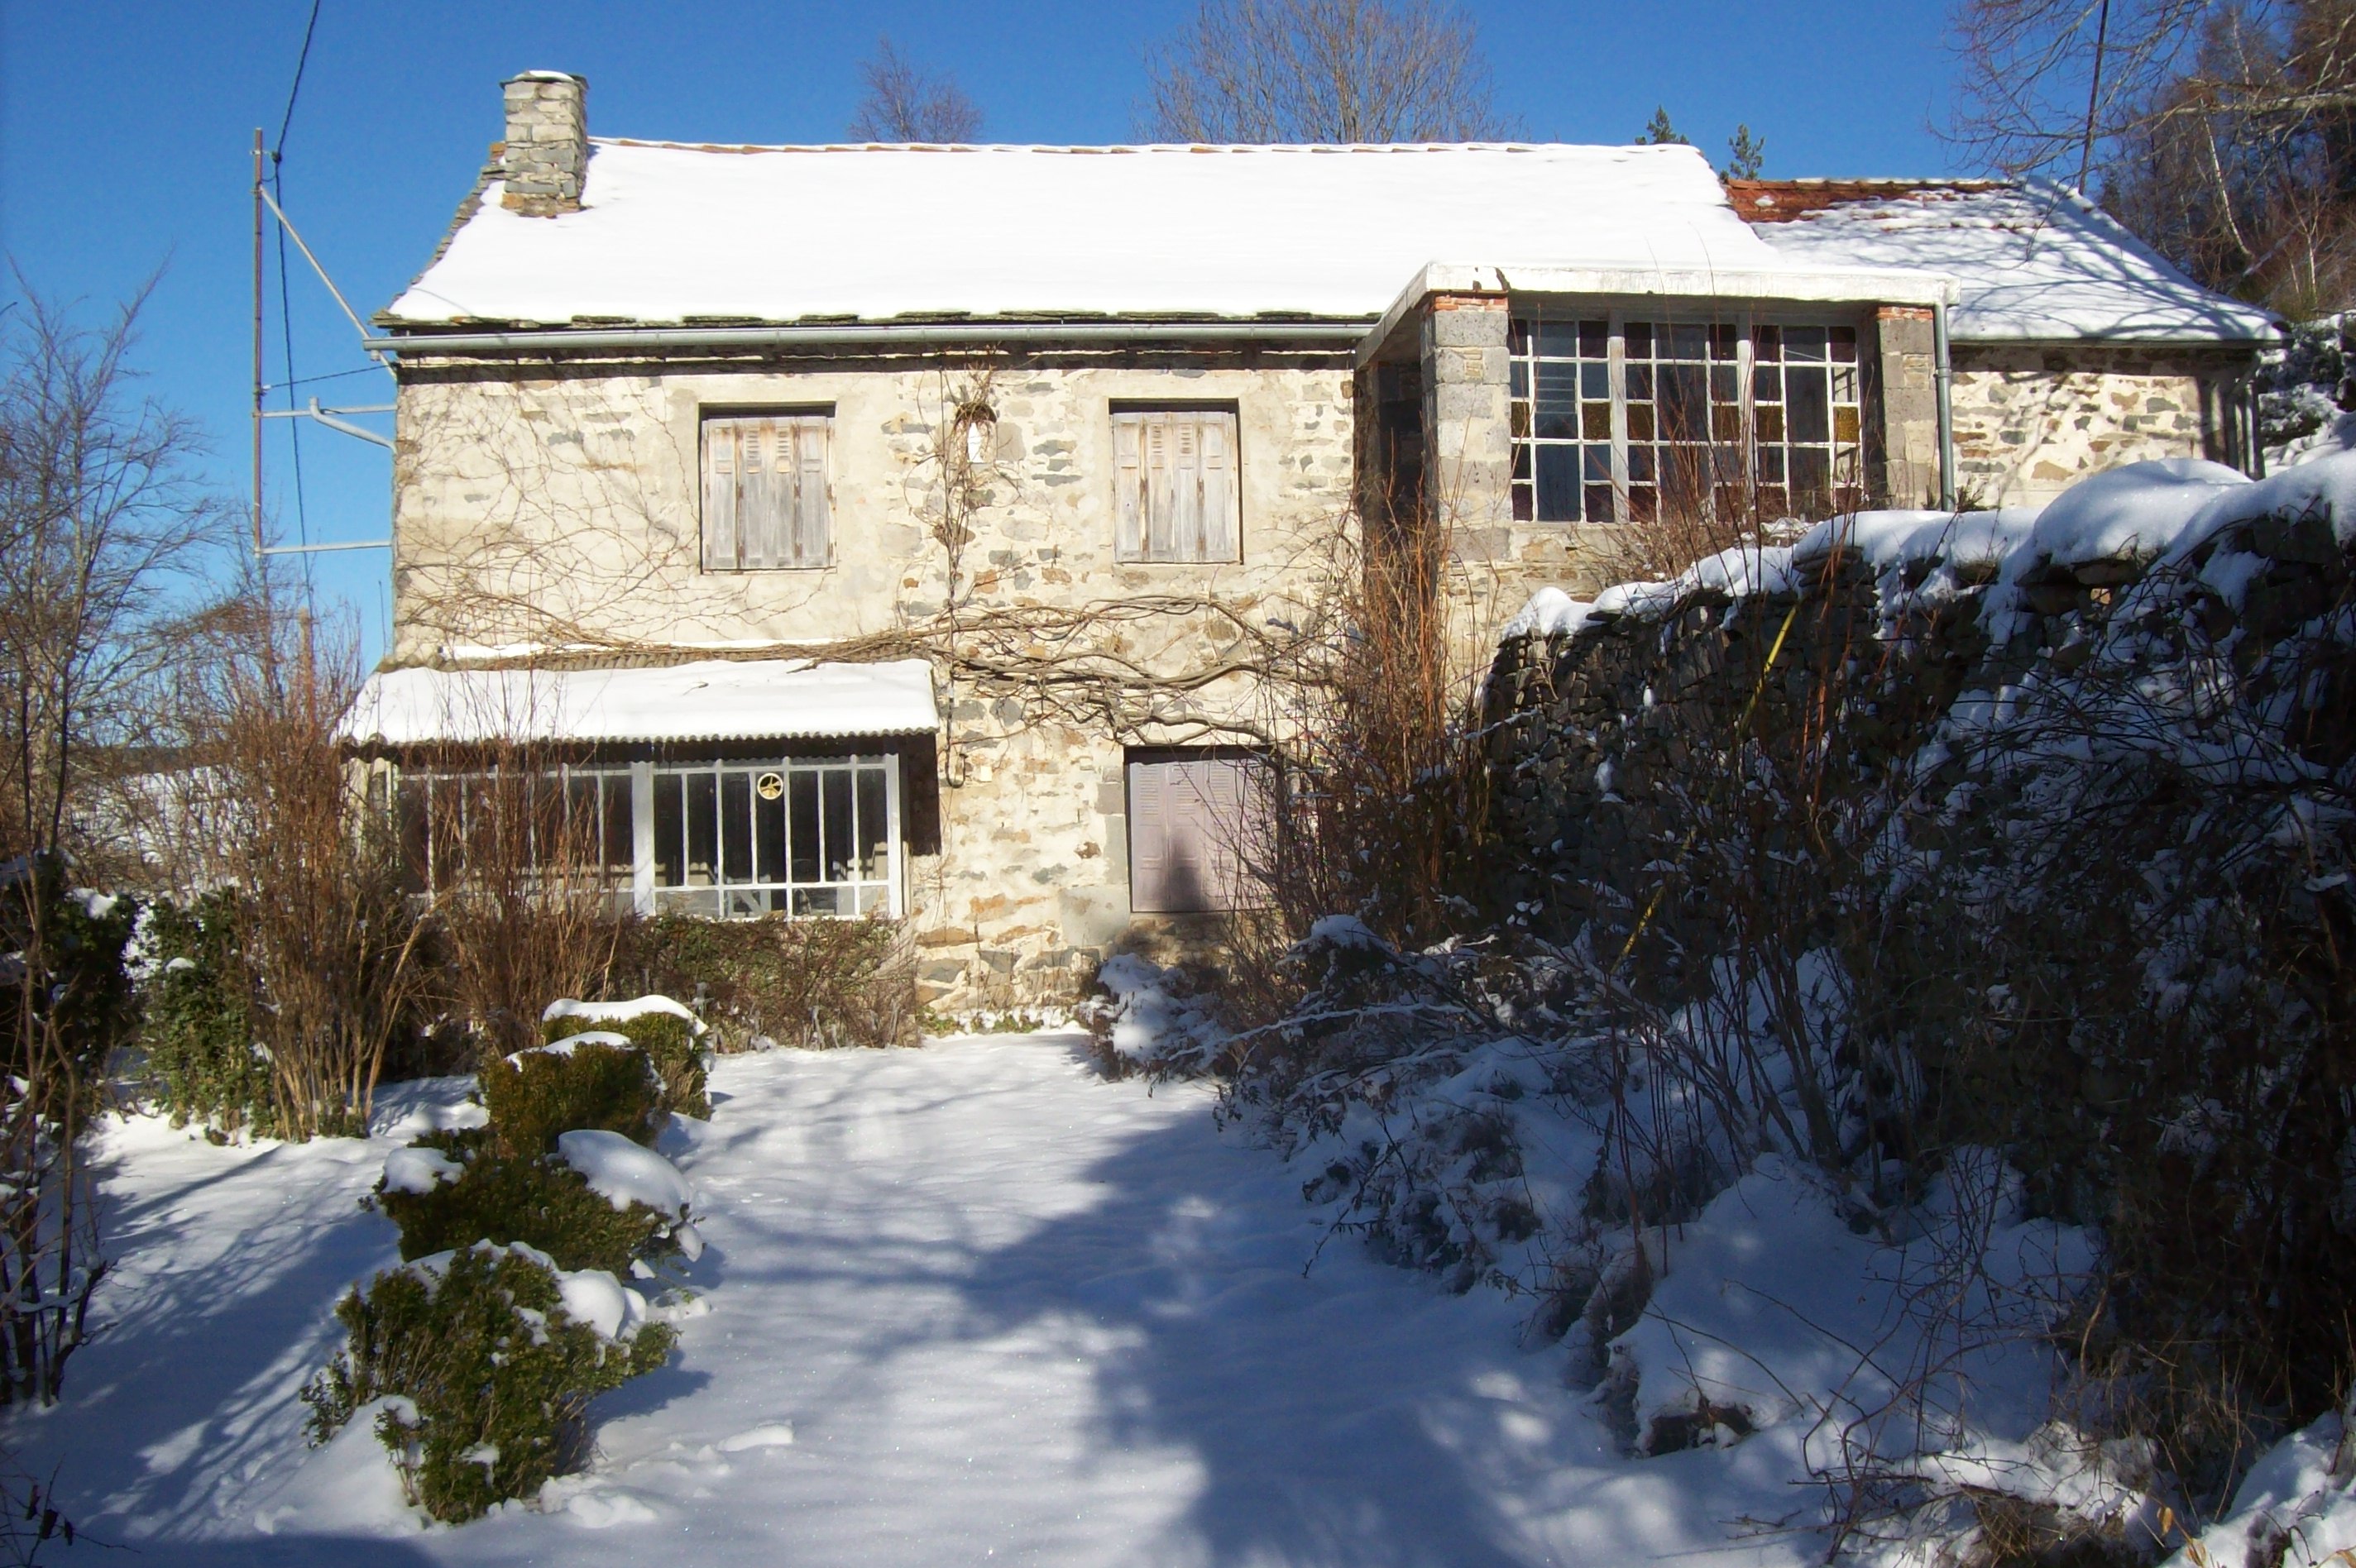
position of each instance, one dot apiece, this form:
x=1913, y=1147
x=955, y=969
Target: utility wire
x=296, y=91
x=286, y=300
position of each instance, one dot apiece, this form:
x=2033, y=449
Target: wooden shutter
x=1129, y=487
x=1177, y=483
x=765, y=492
x=1148, y=838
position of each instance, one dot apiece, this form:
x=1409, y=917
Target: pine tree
x=1746, y=154
x=1660, y=132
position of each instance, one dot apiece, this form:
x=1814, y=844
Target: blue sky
x=125, y=131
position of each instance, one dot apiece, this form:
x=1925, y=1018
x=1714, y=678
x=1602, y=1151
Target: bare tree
x=1322, y=72
x=905, y=102
x=98, y=512
x=2224, y=133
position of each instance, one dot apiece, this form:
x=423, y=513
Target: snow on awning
x=712, y=699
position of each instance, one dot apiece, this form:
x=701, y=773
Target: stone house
x=919, y=530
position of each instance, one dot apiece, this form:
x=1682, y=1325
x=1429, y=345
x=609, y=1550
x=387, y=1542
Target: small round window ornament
x=771, y=785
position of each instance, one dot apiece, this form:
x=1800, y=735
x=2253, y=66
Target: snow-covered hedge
x=481, y=1362
x=671, y=1036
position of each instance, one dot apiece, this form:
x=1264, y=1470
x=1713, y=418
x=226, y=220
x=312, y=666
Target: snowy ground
x=966, y=1304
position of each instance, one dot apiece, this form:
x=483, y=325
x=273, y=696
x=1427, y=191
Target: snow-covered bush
x=487, y=1356
x=593, y=1079
x=671, y=1037
x=451, y=1191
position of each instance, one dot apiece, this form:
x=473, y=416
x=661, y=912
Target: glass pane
x=1520, y=415
x=801, y=793
x=1804, y=343
x=1845, y=426
x=702, y=827
x=1811, y=480
x=1844, y=345
x=1557, y=486
x=839, y=827
x=1594, y=340
x=1522, y=461
x=416, y=862
x=1766, y=384
x=1599, y=503
x=1643, y=503
x=1721, y=384
x=1640, y=383
x=1558, y=340
x=874, y=827
x=621, y=853
x=1598, y=465
x=1721, y=342
x=1518, y=335
x=705, y=905
x=1520, y=374
x=1595, y=381
x=1767, y=343
x=736, y=826
x=1683, y=401
x=769, y=826
x=1688, y=342
x=1772, y=501
x=1558, y=400
x=1640, y=464
x=1724, y=423
x=1770, y=465
x=670, y=827
x=1768, y=419
x=1808, y=409
x=1844, y=383
x=1639, y=334
x=1526, y=505
x=818, y=900
x=1639, y=421
x=870, y=900
x=1595, y=422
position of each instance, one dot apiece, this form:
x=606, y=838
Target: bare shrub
x=905, y=102
x=334, y=951
x=97, y=514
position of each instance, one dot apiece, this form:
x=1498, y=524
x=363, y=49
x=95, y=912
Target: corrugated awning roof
x=712, y=699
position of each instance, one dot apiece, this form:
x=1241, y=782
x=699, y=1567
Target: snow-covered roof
x=712, y=700
x=670, y=233
x=2032, y=262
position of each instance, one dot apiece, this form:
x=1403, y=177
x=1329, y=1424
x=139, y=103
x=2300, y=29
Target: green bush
x=495, y=1373
x=537, y=1200
x=198, y=1028
x=533, y=1095
x=672, y=1041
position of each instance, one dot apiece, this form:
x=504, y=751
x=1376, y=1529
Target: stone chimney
x=546, y=152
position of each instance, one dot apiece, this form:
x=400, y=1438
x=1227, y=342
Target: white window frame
x=728, y=897
x=1627, y=487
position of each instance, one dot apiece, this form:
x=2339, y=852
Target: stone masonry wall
x=563, y=511
x=2031, y=419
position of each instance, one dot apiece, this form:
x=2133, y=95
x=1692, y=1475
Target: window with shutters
x=1196, y=819
x=766, y=503
x=1179, y=496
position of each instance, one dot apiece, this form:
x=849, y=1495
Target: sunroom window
x=727, y=839
x=1623, y=419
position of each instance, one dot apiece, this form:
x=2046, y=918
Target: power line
x=296, y=91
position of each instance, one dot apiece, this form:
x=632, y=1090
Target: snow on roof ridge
x=1127, y=148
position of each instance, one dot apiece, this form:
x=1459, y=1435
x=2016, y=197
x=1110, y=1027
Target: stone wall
x=562, y=512
x=2030, y=419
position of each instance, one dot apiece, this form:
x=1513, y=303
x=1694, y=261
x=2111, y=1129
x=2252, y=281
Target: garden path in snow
x=967, y=1304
